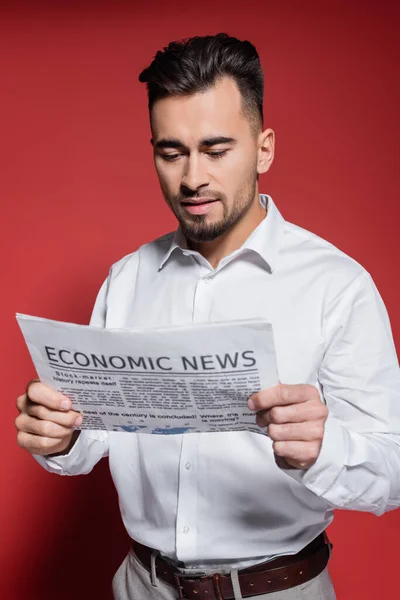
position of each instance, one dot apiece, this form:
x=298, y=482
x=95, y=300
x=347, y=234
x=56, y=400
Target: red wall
x=78, y=191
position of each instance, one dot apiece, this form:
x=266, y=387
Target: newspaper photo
x=171, y=380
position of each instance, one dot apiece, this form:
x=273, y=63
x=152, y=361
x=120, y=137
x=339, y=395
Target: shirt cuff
x=70, y=463
x=321, y=476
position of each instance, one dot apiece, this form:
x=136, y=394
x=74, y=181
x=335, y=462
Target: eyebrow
x=175, y=143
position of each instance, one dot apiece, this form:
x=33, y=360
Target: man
x=232, y=515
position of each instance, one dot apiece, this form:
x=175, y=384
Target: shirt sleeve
x=359, y=464
x=90, y=446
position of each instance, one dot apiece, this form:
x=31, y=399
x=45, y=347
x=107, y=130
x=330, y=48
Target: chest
x=292, y=304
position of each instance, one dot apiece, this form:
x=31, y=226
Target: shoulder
x=311, y=248
x=319, y=262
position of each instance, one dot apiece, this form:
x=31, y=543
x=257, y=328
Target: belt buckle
x=178, y=585
x=177, y=579
x=215, y=580
x=217, y=588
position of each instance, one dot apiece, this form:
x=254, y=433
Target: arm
x=45, y=425
x=357, y=463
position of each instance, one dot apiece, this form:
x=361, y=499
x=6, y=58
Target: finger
x=67, y=419
x=22, y=402
x=299, y=454
x=305, y=432
x=45, y=395
x=295, y=413
x=42, y=428
x=36, y=444
x=282, y=395
x=28, y=385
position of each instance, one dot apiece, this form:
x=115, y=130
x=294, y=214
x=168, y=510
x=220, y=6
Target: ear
x=266, y=149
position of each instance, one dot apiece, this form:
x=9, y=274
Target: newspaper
x=172, y=380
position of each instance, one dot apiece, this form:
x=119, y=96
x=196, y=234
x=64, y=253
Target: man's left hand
x=295, y=417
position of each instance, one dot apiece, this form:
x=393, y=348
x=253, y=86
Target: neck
x=233, y=239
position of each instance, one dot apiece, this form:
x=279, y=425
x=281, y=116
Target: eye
x=170, y=157
x=216, y=153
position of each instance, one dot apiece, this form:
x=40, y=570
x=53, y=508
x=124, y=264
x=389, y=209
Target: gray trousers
x=132, y=581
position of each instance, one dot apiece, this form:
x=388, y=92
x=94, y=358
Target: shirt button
x=188, y=465
x=186, y=529
x=207, y=279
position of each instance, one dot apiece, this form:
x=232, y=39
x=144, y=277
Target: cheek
x=235, y=172
x=169, y=177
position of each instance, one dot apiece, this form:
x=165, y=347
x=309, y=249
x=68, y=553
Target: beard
x=196, y=228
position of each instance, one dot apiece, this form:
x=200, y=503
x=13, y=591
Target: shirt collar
x=264, y=240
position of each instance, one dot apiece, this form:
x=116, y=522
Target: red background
x=78, y=191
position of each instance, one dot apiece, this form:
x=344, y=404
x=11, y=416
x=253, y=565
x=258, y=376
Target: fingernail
x=78, y=421
x=250, y=403
x=65, y=404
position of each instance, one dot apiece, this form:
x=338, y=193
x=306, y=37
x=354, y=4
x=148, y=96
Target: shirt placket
x=187, y=507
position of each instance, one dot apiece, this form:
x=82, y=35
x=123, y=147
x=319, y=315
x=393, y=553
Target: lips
x=198, y=201
x=200, y=206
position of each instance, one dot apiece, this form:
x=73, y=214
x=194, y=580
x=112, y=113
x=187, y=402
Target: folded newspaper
x=171, y=380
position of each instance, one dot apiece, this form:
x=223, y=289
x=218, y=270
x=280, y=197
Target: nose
x=195, y=174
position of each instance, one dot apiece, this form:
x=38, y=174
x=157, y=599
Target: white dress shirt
x=220, y=498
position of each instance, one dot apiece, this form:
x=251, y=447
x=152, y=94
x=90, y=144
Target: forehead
x=191, y=118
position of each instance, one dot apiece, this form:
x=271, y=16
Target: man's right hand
x=45, y=421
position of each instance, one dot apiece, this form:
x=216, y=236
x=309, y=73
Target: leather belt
x=275, y=575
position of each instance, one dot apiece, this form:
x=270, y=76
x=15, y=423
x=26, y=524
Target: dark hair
x=193, y=65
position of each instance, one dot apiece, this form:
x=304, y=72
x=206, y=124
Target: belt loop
x=237, y=592
x=153, y=572
x=328, y=543
x=217, y=589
